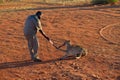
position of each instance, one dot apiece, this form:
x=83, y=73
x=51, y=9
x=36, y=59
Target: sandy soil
x=96, y=28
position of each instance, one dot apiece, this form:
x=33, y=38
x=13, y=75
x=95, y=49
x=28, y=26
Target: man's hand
x=53, y=44
x=47, y=38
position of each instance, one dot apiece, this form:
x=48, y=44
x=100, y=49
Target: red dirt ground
x=96, y=28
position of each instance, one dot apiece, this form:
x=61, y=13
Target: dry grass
x=28, y=4
x=63, y=2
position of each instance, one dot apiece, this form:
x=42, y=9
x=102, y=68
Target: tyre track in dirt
x=111, y=33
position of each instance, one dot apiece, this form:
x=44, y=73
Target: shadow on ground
x=26, y=63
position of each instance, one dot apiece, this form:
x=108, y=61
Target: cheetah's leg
x=65, y=56
x=78, y=55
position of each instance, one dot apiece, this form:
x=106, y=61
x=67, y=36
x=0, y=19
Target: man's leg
x=35, y=46
x=30, y=45
x=35, y=49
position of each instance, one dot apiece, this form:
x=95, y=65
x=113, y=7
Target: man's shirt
x=32, y=25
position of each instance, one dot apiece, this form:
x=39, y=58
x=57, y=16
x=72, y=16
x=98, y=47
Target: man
x=32, y=25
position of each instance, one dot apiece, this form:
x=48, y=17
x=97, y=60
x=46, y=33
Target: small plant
x=100, y=2
x=112, y=2
x=104, y=1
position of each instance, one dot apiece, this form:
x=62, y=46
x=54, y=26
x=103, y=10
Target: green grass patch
x=111, y=1
x=104, y=1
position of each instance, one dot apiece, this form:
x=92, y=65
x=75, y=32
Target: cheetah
x=72, y=50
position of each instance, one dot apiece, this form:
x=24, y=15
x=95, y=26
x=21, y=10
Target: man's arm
x=39, y=28
x=44, y=35
x=47, y=38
